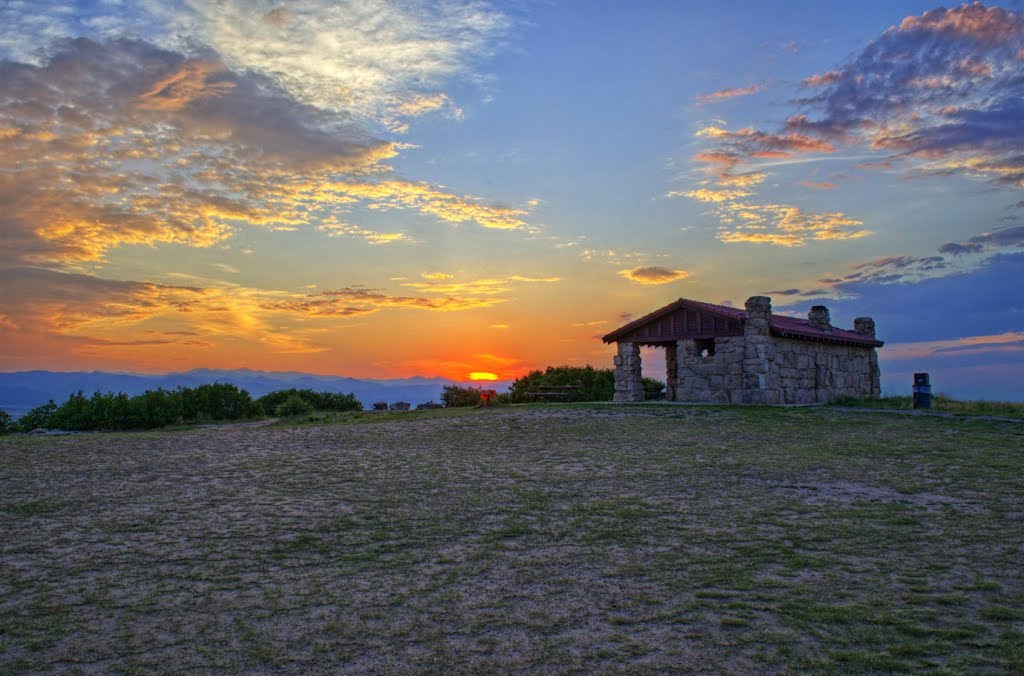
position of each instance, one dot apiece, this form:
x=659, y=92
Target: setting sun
x=482, y=375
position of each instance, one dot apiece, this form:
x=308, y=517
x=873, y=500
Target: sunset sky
x=385, y=189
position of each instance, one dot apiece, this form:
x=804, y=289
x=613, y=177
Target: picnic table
x=555, y=392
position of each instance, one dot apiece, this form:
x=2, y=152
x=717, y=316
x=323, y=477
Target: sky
x=385, y=189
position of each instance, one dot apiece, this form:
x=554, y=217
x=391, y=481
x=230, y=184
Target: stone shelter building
x=721, y=354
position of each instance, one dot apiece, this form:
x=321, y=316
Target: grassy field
x=943, y=404
x=537, y=538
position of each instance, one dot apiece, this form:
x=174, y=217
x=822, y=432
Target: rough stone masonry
x=720, y=354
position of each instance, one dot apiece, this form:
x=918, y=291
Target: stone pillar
x=671, y=371
x=629, y=384
x=876, y=376
x=865, y=326
x=761, y=383
x=819, y=319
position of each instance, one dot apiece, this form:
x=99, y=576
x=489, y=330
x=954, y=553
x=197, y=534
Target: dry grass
x=942, y=403
x=559, y=538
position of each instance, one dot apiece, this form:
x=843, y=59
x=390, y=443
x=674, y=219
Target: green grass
x=941, y=403
x=581, y=537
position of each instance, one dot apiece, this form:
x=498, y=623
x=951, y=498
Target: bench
x=555, y=393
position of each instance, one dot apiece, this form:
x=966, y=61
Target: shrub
x=37, y=417
x=594, y=384
x=457, y=395
x=654, y=390
x=320, y=401
x=219, y=401
x=292, y=406
x=153, y=408
x=6, y=424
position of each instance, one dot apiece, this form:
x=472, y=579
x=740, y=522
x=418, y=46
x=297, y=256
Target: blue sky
x=382, y=189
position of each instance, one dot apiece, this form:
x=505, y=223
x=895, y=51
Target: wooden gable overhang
x=678, y=321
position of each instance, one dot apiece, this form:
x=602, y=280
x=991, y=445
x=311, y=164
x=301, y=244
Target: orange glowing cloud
x=705, y=195
x=189, y=83
x=426, y=199
x=653, y=274
x=785, y=225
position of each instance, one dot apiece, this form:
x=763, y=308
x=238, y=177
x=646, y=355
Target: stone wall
x=773, y=370
x=717, y=378
x=811, y=372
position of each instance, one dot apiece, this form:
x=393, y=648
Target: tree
x=293, y=406
x=6, y=424
x=39, y=417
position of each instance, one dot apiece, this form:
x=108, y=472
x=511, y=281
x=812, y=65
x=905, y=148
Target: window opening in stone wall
x=705, y=347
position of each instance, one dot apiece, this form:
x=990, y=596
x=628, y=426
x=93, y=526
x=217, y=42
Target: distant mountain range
x=22, y=391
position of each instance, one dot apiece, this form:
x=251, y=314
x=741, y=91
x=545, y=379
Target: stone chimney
x=759, y=313
x=865, y=326
x=819, y=319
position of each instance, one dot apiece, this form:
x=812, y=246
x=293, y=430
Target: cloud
x=824, y=185
x=942, y=88
x=427, y=199
x=353, y=302
x=959, y=249
x=749, y=178
x=123, y=143
x=723, y=94
x=486, y=287
x=705, y=195
x=909, y=306
x=436, y=276
x=784, y=225
x=940, y=93
x=826, y=78
x=372, y=58
x=1005, y=237
x=654, y=274
x=749, y=142
x=94, y=163
x=193, y=81
x=334, y=228
x=7, y=323
x=1007, y=342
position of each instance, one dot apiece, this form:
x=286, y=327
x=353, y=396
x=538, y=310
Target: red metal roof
x=790, y=327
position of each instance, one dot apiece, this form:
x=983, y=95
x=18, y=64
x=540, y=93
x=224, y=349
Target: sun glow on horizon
x=482, y=375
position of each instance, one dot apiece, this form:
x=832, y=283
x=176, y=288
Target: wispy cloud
x=427, y=199
x=723, y=94
x=335, y=228
x=706, y=195
x=353, y=302
x=1008, y=342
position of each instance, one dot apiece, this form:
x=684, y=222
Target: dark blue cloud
x=984, y=301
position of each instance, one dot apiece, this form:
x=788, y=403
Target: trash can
x=922, y=391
